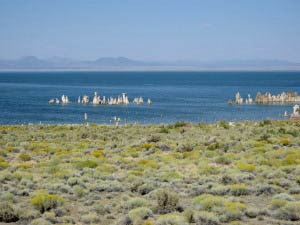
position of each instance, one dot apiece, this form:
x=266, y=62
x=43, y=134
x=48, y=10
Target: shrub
x=224, y=124
x=239, y=189
x=265, y=122
x=40, y=221
x=164, y=130
x=189, y=216
x=223, y=160
x=213, y=146
x=209, y=169
x=206, y=218
x=245, y=167
x=285, y=141
x=289, y=211
x=277, y=203
x=185, y=148
x=86, y=164
x=72, y=181
x=7, y=213
x=3, y=164
x=180, y=124
x=171, y=219
x=233, y=211
x=145, y=188
x=44, y=201
x=135, y=203
x=208, y=202
x=219, y=190
x=148, y=163
x=252, y=212
x=167, y=201
x=148, y=222
x=146, y=146
x=90, y=218
x=140, y=213
x=79, y=191
x=154, y=138
x=98, y=154
x=24, y=157
x=284, y=196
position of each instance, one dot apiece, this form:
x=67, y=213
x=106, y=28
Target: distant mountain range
x=119, y=63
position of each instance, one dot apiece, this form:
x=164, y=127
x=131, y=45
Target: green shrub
x=72, y=181
x=206, y=218
x=285, y=141
x=213, y=146
x=90, y=218
x=189, y=215
x=223, y=160
x=3, y=164
x=208, y=202
x=224, y=124
x=167, y=201
x=79, y=191
x=180, y=124
x=232, y=211
x=7, y=213
x=277, y=203
x=135, y=203
x=246, y=167
x=164, y=130
x=252, y=212
x=239, y=189
x=171, y=219
x=24, y=157
x=40, y=221
x=86, y=164
x=140, y=213
x=44, y=201
x=265, y=123
x=290, y=211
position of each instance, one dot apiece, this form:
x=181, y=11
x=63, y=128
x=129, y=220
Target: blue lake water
x=176, y=96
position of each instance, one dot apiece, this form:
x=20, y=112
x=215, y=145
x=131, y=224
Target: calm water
x=189, y=96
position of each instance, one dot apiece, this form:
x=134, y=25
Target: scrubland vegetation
x=179, y=174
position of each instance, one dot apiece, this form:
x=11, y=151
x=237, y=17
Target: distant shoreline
x=157, y=69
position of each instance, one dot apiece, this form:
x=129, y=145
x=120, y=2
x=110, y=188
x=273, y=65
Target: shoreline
x=149, y=124
x=170, y=69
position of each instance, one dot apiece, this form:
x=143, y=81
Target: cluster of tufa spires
x=239, y=100
x=289, y=97
x=97, y=100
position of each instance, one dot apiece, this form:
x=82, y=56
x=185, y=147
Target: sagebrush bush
x=171, y=219
x=86, y=164
x=7, y=213
x=208, y=202
x=140, y=213
x=24, y=157
x=290, y=211
x=246, y=167
x=44, y=201
x=135, y=203
x=167, y=201
x=285, y=141
x=206, y=218
x=239, y=189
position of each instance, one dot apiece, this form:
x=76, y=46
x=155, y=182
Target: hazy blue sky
x=151, y=29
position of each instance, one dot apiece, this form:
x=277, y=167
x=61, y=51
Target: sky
x=157, y=30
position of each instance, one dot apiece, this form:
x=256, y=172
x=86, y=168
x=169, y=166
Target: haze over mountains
x=120, y=63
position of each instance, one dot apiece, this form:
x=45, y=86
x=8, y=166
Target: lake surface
x=176, y=96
